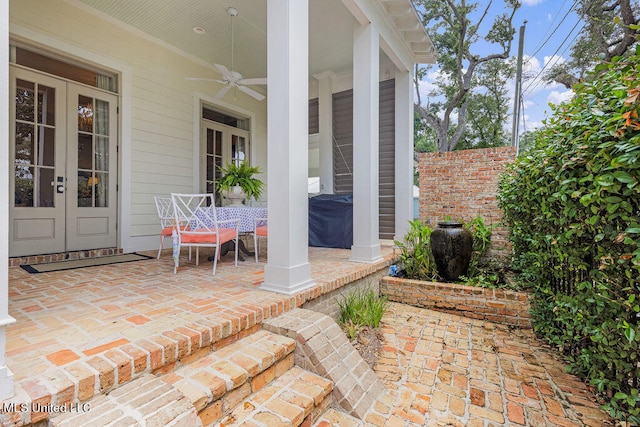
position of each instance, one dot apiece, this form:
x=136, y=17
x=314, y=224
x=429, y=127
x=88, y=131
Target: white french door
x=220, y=145
x=63, y=149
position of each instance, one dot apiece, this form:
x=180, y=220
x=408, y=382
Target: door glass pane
x=93, y=152
x=214, y=158
x=46, y=105
x=219, y=143
x=234, y=149
x=102, y=117
x=218, y=166
x=23, y=196
x=46, y=187
x=210, y=168
x=24, y=101
x=34, y=159
x=85, y=151
x=238, y=153
x=85, y=189
x=24, y=144
x=242, y=149
x=101, y=189
x=46, y=146
x=210, y=134
x=102, y=153
x=85, y=114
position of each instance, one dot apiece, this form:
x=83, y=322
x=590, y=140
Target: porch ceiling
x=330, y=24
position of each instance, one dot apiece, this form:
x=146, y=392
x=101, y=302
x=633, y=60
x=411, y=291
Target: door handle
x=60, y=185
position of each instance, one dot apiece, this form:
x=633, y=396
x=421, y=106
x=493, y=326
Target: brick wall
x=461, y=185
x=494, y=305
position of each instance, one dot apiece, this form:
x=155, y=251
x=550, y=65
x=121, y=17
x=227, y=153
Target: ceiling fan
x=231, y=78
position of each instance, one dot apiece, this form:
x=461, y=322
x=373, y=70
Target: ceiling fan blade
x=256, y=81
x=203, y=79
x=222, y=92
x=251, y=92
x=226, y=74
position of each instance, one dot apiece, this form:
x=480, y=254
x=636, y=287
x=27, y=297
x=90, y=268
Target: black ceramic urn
x=451, y=245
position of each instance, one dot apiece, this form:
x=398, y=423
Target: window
x=67, y=69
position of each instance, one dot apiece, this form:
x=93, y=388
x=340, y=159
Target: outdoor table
x=247, y=216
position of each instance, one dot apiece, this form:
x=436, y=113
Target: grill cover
x=331, y=221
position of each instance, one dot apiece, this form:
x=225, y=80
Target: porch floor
x=72, y=315
x=439, y=369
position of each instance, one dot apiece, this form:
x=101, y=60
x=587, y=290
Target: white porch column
x=404, y=153
x=366, y=64
x=325, y=122
x=288, y=270
x=6, y=377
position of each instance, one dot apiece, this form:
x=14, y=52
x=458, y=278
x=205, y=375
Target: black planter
x=451, y=245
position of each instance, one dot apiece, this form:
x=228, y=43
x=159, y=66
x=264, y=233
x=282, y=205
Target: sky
x=550, y=29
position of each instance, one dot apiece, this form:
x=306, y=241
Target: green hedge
x=572, y=204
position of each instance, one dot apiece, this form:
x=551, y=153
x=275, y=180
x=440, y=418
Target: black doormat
x=82, y=263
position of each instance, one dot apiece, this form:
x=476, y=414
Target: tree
x=424, y=140
x=455, y=36
x=610, y=30
x=488, y=107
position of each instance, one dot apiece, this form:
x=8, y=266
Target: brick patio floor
x=65, y=316
x=440, y=369
x=446, y=370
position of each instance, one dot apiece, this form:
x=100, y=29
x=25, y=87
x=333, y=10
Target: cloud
x=528, y=124
x=427, y=84
x=533, y=72
x=424, y=87
x=553, y=60
x=532, y=2
x=557, y=97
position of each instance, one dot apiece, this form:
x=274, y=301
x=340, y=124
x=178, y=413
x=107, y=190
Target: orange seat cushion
x=261, y=231
x=168, y=230
x=224, y=235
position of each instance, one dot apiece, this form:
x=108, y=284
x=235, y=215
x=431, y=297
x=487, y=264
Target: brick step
x=217, y=383
x=145, y=401
x=297, y=397
x=201, y=392
x=335, y=418
x=108, y=366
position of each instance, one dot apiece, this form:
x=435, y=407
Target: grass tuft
x=361, y=307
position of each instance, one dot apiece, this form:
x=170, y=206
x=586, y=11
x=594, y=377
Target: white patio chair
x=202, y=228
x=259, y=230
x=164, y=206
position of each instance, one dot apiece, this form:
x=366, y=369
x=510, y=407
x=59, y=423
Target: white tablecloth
x=246, y=215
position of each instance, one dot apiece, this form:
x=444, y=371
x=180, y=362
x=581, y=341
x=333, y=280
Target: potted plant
x=238, y=182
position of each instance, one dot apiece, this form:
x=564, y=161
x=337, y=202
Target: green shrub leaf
x=572, y=205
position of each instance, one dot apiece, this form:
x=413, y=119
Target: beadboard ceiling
x=172, y=22
x=330, y=48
